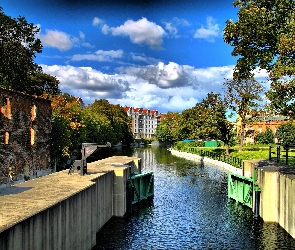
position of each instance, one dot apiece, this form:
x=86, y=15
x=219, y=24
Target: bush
x=266, y=137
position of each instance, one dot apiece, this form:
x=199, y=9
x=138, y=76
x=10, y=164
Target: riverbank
x=274, y=183
x=198, y=158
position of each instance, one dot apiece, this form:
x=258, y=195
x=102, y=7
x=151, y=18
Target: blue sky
x=156, y=54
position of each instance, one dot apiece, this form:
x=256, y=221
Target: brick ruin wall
x=25, y=127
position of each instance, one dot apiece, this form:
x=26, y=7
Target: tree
x=242, y=97
x=263, y=37
x=286, y=133
x=207, y=120
x=41, y=83
x=18, y=47
x=266, y=137
x=167, y=131
x=118, y=118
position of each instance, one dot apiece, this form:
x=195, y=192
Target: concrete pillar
x=122, y=173
x=268, y=181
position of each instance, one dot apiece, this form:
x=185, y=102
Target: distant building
x=80, y=101
x=144, y=121
x=25, y=126
x=261, y=123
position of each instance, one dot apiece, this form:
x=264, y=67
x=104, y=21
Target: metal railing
x=283, y=154
x=219, y=156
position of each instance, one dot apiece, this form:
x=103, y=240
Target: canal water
x=189, y=210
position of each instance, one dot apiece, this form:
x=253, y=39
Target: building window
x=6, y=107
x=33, y=112
x=6, y=138
x=32, y=131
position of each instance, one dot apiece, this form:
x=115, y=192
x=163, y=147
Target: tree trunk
x=242, y=133
x=227, y=149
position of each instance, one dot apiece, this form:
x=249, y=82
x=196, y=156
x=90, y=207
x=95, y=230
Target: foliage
x=266, y=137
x=118, y=118
x=167, y=131
x=242, y=97
x=286, y=133
x=206, y=120
x=66, y=125
x=61, y=139
x=257, y=34
x=18, y=47
x=41, y=83
x=263, y=37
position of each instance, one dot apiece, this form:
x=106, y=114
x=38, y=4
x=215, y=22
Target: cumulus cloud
x=62, y=41
x=208, y=33
x=96, y=21
x=164, y=76
x=100, y=56
x=74, y=79
x=165, y=87
x=143, y=58
x=56, y=39
x=139, y=32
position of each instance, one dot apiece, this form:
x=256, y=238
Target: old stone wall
x=25, y=127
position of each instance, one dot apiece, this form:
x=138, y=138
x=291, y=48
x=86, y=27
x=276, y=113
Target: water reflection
x=190, y=210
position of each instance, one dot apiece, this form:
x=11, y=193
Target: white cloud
x=96, y=21
x=100, y=56
x=208, y=33
x=162, y=87
x=173, y=25
x=73, y=80
x=139, y=32
x=56, y=39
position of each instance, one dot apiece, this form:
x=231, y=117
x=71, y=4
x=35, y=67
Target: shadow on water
x=190, y=210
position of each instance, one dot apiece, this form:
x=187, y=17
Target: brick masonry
x=25, y=127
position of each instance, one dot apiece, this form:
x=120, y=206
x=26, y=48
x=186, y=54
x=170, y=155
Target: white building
x=144, y=121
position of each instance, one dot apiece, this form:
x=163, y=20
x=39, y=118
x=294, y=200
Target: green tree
x=118, y=118
x=167, y=131
x=61, y=139
x=266, y=137
x=242, y=97
x=18, y=45
x=41, y=83
x=263, y=36
x=286, y=133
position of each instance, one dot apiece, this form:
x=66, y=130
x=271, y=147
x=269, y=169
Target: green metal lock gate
x=142, y=186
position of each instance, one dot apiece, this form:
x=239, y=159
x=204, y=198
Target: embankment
x=65, y=211
x=276, y=184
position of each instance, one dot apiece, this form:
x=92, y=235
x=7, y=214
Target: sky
x=153, y=54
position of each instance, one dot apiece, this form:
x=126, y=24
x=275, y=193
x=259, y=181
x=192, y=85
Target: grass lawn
x=254, y=152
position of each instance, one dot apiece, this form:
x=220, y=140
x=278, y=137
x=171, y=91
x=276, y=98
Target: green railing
x=142, y=186
x=232, y=160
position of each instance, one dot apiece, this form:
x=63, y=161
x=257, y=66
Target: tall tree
x=242, y=97
x=263, y=37
x=18, y=44
x=167, y=130
x=118, y=118
x=18, y=47
x=41, y=83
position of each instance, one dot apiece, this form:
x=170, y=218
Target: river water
x=189, y=210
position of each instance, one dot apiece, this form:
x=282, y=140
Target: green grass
x=250, y=152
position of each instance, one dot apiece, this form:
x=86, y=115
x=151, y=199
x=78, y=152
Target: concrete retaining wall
x=197, y=158
x=62, y=211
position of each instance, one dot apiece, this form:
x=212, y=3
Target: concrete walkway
x=21, y=201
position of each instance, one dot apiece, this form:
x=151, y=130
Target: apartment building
x=144, y=121
x=261, y=123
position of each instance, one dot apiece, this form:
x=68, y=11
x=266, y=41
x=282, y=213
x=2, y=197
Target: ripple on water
x=190, y=210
